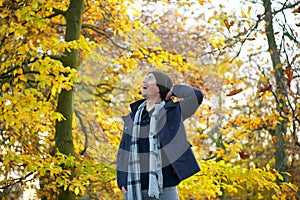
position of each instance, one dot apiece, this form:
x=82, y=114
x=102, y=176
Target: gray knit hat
x=164, y=83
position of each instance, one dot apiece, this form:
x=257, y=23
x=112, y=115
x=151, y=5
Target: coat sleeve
x=190, y=99
x=123, y=155
x=121, y=163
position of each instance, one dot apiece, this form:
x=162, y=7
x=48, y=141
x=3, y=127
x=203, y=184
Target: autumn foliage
x=245, y=130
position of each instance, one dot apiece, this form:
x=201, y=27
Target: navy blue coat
x=176, y=150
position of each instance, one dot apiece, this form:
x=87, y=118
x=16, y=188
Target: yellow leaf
x=177, y=14
x=249, y=10
x=116, y=189
x=137, y=24
x=222, y=42
x=227, y=147
x=268, y=167
x=76, y=191
x=5, y=86
x=65, y=187
x=243, y=14
x=58, y=116
x=53, y=91
x=23, y=78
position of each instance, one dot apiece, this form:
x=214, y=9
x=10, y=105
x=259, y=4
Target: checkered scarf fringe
x=155, y=163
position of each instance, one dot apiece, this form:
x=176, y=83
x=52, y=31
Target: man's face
x=150, y=89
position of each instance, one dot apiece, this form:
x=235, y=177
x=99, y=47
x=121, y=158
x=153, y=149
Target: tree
x=43, y=44
x=276, y=80
x=39, y=62
x=280, y=92
x=67, y=73
x=244, y=127
x=63, y=128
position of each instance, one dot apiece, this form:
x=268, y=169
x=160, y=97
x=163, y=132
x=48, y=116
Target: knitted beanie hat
x=164, y=83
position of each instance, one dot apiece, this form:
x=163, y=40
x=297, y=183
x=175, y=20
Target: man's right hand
x=123, y=190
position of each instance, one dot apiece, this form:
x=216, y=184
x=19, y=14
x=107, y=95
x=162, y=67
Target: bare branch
x=16, y=181
x=56, y=13
x=77, y=113
x=104, y=34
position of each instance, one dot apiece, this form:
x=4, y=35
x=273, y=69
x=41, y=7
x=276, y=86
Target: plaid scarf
x=155, y=164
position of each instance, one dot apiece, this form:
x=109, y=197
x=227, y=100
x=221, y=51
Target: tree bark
x=280, y=93
x=63, y=136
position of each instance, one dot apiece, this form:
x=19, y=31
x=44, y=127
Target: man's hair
x=164, y=83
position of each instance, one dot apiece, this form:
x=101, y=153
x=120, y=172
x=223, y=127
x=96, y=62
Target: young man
x=154, y=155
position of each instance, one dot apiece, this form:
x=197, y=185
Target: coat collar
x=135, y=105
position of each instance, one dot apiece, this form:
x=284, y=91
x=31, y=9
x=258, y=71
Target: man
x=154, y=154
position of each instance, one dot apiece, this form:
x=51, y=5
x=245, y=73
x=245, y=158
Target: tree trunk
x=63, y=136
x=280, y=93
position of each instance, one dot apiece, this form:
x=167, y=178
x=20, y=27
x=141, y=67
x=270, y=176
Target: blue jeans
x=168, y=193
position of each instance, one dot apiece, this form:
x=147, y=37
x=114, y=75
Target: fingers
x=124, y=190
